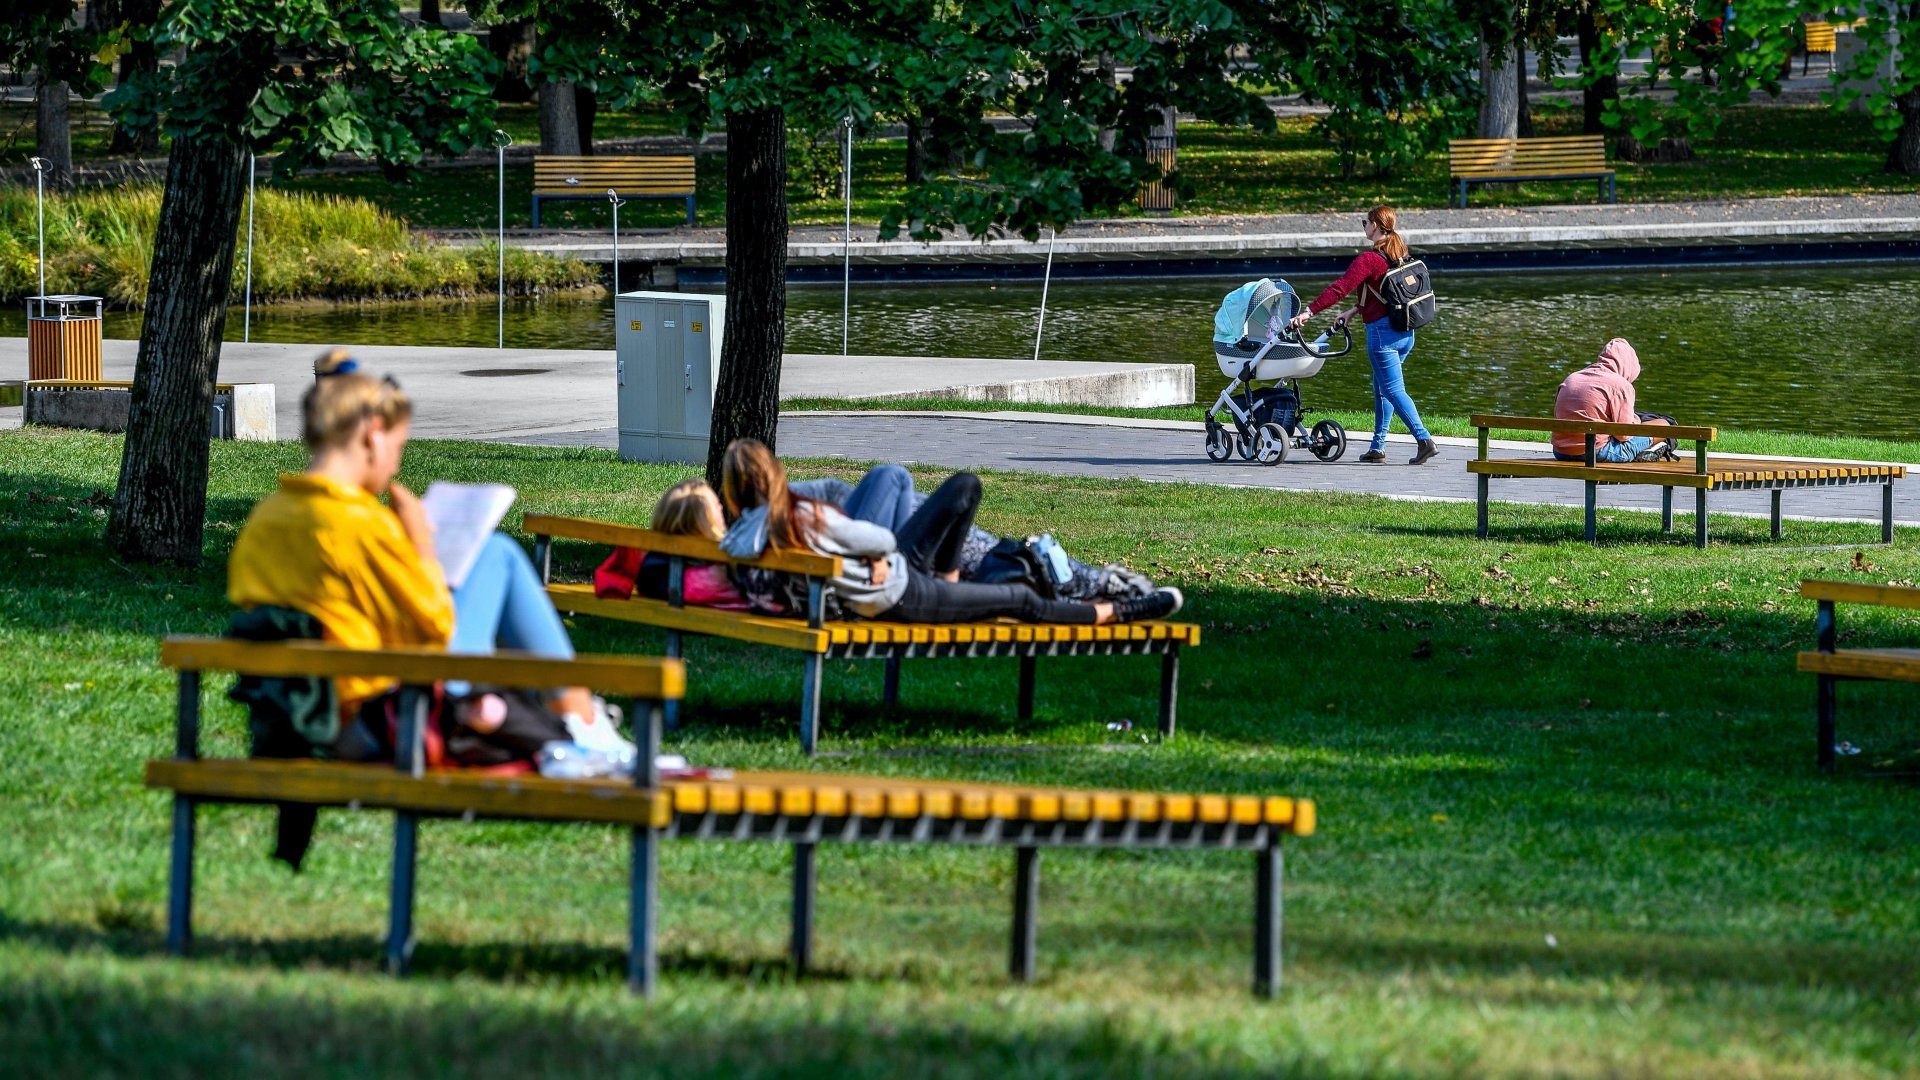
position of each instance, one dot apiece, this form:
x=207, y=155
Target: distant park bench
x=1703, y=474
x=1830, y=664
x=803, y=809
x=1505, y=161
x=657, y=177
x=1821, y=39
x=820, y=639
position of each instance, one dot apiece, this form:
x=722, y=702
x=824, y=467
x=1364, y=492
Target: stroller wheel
x=1219, y=443
x=1270, y=445
x=1328, y=441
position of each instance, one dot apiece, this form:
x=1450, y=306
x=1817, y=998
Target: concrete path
x=507, y=394
x=1171, y=452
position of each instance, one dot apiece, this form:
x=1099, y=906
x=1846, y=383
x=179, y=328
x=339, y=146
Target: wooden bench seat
x=798, y=808
x=1502, y=161
x=818, y=638
x=1829, y=664
x=1702, y=474
x=653, y=177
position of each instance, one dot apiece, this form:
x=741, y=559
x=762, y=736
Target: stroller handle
x=1345, y=332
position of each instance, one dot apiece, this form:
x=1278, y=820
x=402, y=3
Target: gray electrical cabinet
x=667, y=364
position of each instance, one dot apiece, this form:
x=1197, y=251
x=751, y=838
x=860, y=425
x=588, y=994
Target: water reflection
x=1823, y=350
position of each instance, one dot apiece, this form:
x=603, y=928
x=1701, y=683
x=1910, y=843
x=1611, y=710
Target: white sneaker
x=600, y=733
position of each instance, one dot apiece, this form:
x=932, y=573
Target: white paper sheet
x=463, y=516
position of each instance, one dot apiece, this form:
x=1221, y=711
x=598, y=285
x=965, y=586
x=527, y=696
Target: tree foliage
x=44, y=37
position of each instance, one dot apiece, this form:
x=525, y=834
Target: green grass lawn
x=1569, y=821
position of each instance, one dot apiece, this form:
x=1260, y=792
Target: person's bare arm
x=413, y=517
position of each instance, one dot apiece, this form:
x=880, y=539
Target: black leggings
x=931, y=541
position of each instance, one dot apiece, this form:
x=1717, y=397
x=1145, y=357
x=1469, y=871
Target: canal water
x=1826, y=350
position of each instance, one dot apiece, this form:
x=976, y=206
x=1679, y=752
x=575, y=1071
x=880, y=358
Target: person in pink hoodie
x=1603, y=392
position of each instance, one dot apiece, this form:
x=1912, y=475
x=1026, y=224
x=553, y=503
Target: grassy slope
x=1508, y=741
x=1733, y=442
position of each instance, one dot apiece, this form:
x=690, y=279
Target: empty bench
x=1702, y=474
x=657, y=177
x=819, y=639
x=1506, y=161
x=1830, y=664
x=801, y=809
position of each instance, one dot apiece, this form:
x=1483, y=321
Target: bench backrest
x=1855, y=592
x=652, y=678
x=1553, y=156
x=593, y=176
x=1591, y=427
x=1821, y=38
x=805, y=563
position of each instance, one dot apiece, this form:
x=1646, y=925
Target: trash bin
x=63, y=338
x=666, y=366
x=1157, y=196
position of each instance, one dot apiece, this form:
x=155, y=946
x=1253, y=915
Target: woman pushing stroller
x=1387, y=348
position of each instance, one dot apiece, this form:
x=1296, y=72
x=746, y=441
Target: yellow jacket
x=337, y=553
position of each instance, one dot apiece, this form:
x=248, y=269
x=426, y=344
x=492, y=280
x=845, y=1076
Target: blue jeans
x=503, y=605
x=884, y=497
x=1615, y=451
x=1387, y=349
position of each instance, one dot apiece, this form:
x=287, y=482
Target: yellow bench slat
x=736, y=625
x=648, y=677
x=1890, y=665
x=1582, y=427
x=805, y=563
x=1849, y=592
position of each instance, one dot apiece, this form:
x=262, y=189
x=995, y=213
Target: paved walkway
x=1171, y=452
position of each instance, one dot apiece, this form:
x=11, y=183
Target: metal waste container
x=666, y=366
x=63, y=338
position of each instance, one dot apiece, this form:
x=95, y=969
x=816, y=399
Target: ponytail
x=1390, y=245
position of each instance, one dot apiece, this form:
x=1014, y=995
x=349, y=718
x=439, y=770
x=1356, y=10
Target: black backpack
x=1407, y=292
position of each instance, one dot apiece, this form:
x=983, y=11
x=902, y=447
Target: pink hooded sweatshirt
x=1601, y=392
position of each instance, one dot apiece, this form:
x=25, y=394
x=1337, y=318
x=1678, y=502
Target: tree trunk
x=559, y=120
x=511, y=43
x=430, y=11
x=159, y=511
x=747, y=403
x=1523, y=125
x=1904, y=155
x=916, y=150
x=586, y=105
x=1500, y=103
x=53, y=134
x=1595, y=93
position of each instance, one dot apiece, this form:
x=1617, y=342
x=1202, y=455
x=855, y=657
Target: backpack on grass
x=1407, y=293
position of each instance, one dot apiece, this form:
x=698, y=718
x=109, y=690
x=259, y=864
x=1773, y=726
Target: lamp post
x=40, y=166
x=846, y=235
x=246, y=316
x=614, y=198
x=501, y=140
x=1045, y=282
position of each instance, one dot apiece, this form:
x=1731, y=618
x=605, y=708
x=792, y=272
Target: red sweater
x=1367, y=268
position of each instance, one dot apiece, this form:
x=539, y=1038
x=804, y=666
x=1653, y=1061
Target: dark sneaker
x=1124, y=584
x=1373, y=457
x=1155, y=605
x=1425, y=452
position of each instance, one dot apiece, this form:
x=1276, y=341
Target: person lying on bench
x=688, y=508
x=325, y=545
x=1602, y=392
x=910, y=577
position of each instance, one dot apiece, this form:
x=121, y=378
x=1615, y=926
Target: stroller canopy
x=1244, y=312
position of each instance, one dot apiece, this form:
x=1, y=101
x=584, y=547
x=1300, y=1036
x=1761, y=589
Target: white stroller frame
x=1283, y=358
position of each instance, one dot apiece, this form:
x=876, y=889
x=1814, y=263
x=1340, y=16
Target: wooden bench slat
x=692, y=547
x=1544, y=140
x=1582, y=427
x=736, y=625
x=1886, y=665
x=644, y=677
x=1851, y=592
x=1639, y=473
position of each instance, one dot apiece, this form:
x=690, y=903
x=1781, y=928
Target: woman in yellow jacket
x=326, y=545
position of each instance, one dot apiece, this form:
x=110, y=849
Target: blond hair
x=342, y=398
x=682, y=512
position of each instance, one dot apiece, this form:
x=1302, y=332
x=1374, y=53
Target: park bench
x=802, y=809
x=1504, y=161
x=820, y=639
x=655, y=177
x=1820, y=38
x=1830, y=664
x=1703, y=474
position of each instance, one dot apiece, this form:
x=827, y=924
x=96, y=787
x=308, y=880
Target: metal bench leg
x=810, y=703
x=1481, y=530
x=543, y=558
x=1824, y=714
x=690, y=211
x=1666, y=509
x=800, y=944
x=1025, y=708
x=643, y=951
x=1775, y=519
x=890, y=687
x=1699, y=517
x=1267, y=873
x=1593, y=495
x=536, y=211
x=1169, y=690
x=406, y=828
x=1026, y=912
x=1886, y=514
x=180, y=883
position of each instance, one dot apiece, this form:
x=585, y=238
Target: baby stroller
x=1252, y=342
